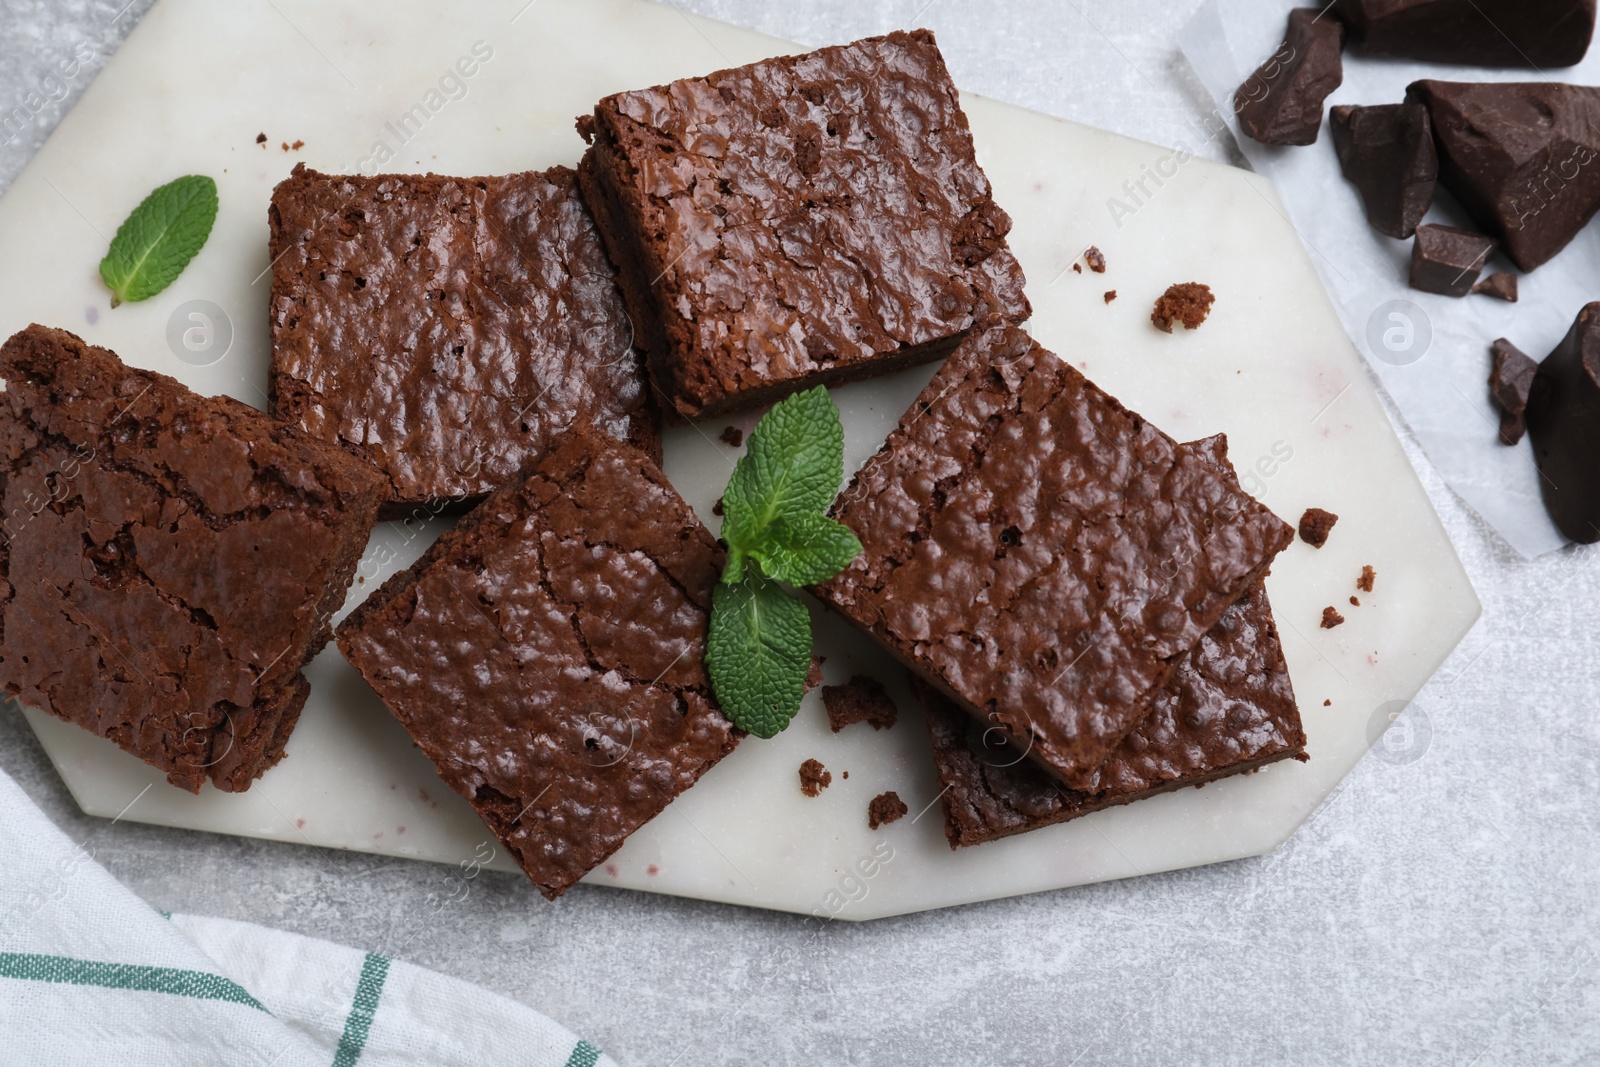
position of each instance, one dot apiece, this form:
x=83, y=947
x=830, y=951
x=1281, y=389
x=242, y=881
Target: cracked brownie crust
x=1228, y=708
x=802, y=220
x=547, y=655
x=171, y=561
x=448, y=328
x=1042, y=554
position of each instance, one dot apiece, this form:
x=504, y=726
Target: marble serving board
x=411, y=85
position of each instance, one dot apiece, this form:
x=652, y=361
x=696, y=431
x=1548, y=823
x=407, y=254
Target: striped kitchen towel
x=90, y=974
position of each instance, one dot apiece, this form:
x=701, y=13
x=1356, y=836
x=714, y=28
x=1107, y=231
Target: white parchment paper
x=1430, y=352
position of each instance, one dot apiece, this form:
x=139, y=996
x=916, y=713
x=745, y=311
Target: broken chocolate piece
x=1500, y=285
x=1520, y=157
x=1510, y=379
x=1387, y=153
x=1331, y=617
x=1563, y=416
x=1186, y=302
x=1315, y=525
x=1281, y=103
x=884, y=809
x=862, y=699
x=1477, y=33
x=1446, y=260
x=814, y=778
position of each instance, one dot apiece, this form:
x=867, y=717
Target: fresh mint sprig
x=759, y=647
x=159, y=239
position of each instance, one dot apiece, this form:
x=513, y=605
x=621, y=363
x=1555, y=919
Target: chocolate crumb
x=814, y=674
x=1111, y=294
x=716, y=509
x=1501, y=285
x=286, y=146
x=1354, y=602
x=1368, y=575
x=298, y=145
x=1096, y=260
x=1186, y=302
x=732, y=436
x=862, y=699
x=1315, y=525
x=1510, y=381
x=261, y=138
x=584, y=124
x=845, y=775
x=814, y=778
x=884, y=809
x=1077, y=269
x=1327, y=703
x=1331, y=618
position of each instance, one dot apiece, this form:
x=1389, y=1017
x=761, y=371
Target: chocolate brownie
x=814, y=778
x=1040, y=552
x=546, y=655
x=861, y=699
x=448, y=328
x=1228, y=708
x=802, y=220
x=170, y=561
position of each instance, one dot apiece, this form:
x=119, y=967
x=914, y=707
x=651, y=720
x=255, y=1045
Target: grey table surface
x=1442, y=906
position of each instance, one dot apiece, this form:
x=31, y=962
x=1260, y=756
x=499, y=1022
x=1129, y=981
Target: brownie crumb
x=884, y=809
x=1186, y=302
x=814, y=778
x=1096, y=260
x=261, y=138
x=1354, y=602
x=1315, y=525
x=297, y=145
x=1327, y=703
x=814, y=673
x=1500, y=285
x=1368, y=576
x=1331, y=617
x=1077, y=268
x=1510, y=381
x=584, y=124
x=862, y=699
x=1111, y=294
x=845, y=775
x=732, y=436
x=286, y=146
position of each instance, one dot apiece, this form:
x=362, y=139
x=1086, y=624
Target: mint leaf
x=160, y=238
x=792, y=466
x=757, y=653
x=805, y=549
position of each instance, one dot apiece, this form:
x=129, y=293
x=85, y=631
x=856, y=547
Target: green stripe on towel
x=584, y=1055
x=69, y=971
x=374, y=971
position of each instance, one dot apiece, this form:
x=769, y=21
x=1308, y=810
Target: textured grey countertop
x=1442, y=907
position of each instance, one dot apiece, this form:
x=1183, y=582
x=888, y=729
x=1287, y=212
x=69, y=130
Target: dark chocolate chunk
x=1281, y=103
x=814, y=778
x=885, y=808
x=1446, y=260
x=1387, y=153
x=1478, y=33
x=1315, y=525
x=1510, y=378
x=1520, y=157
x=1564, y=421
x=1186, y=302
x=1501, y=285
x=1331, y=617
x=863, y=699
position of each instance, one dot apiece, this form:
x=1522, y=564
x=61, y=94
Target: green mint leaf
x=757, y=653
x=805, y=549
x=792, y=466
x=160, y=238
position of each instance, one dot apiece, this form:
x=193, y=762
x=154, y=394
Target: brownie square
x=1227, y=708
x=1042, y=554
x=448, y=328
x=170, y=560
x=803, y=220
x=547, y=655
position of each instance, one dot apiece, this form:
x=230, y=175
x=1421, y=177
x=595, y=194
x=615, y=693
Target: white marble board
x=197, y=81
